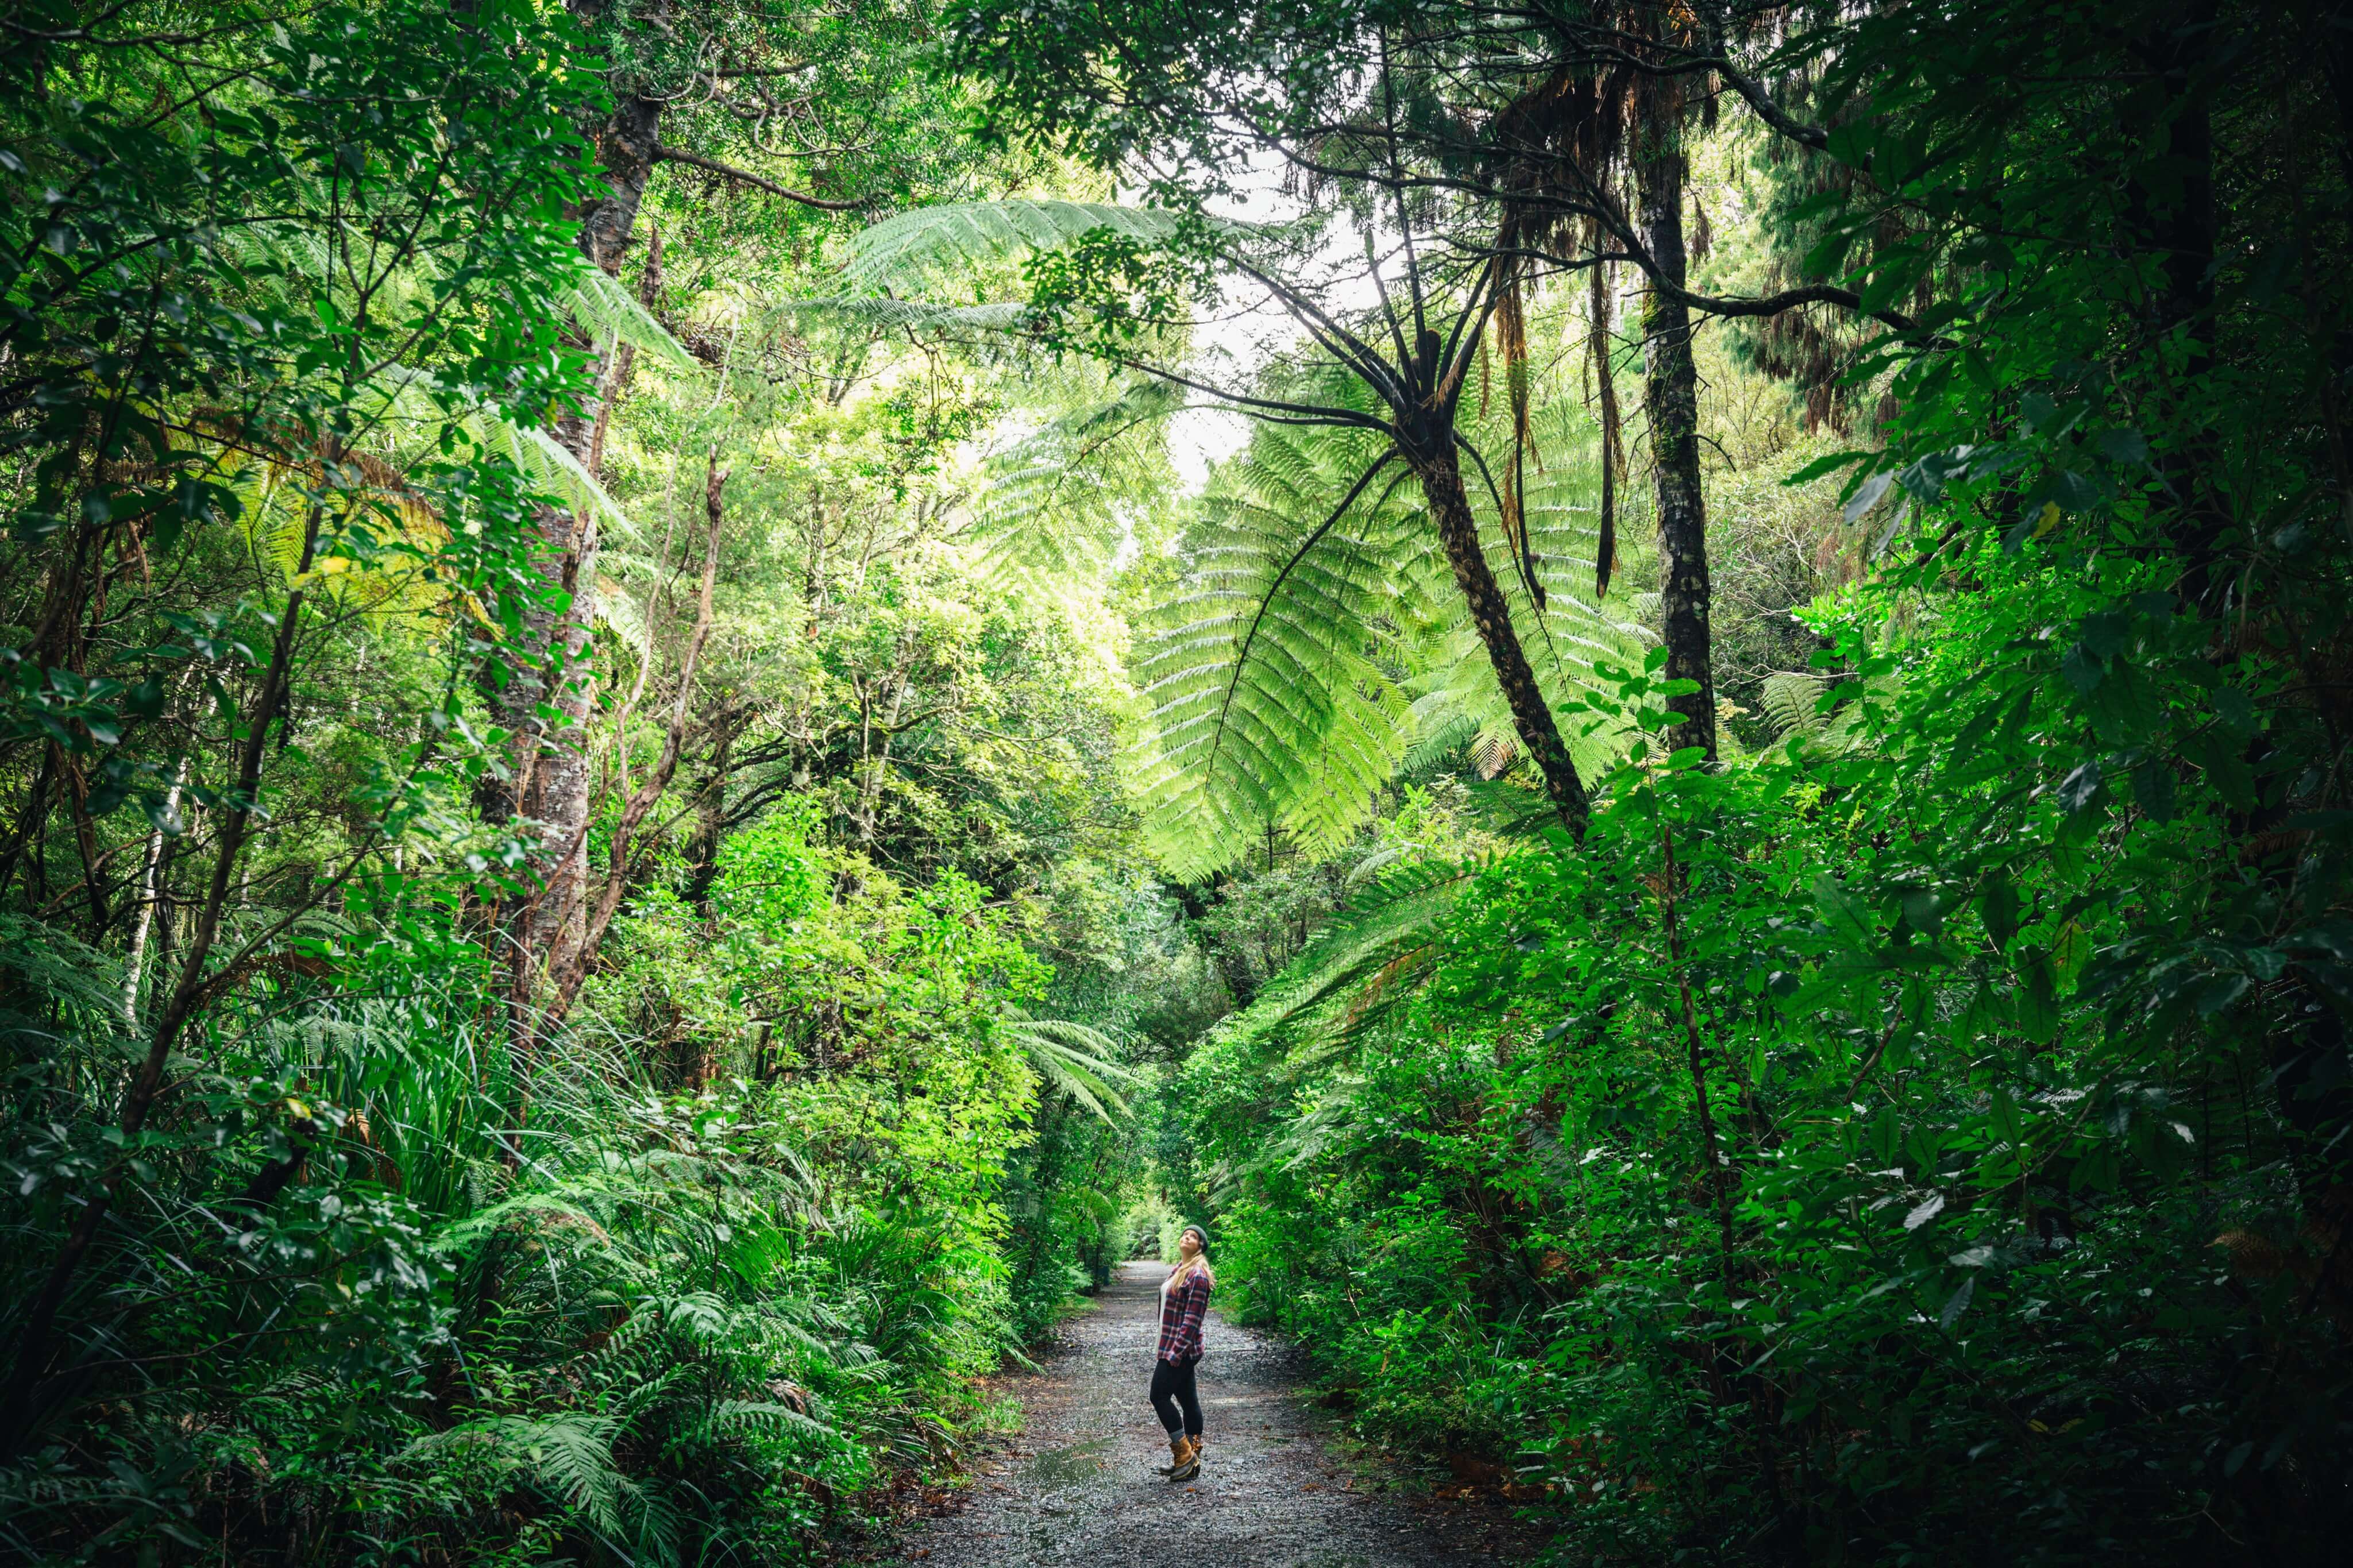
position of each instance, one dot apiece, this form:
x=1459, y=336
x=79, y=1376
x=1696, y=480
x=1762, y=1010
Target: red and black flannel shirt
x=1181, y=1311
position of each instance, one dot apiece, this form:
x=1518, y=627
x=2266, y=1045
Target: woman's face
x=1188, y=1246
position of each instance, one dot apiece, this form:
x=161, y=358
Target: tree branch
x=665, y=153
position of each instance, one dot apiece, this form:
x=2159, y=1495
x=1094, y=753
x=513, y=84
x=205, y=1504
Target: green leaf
x=2128, y=446
x=1998, y=904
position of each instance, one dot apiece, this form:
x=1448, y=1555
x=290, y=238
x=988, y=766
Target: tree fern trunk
x=1458, y=531
x=1670, y=399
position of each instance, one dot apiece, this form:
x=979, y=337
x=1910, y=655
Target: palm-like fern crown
x=1297, y=665
x=1310, y=644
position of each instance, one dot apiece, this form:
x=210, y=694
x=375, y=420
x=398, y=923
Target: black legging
x=1172, y=1386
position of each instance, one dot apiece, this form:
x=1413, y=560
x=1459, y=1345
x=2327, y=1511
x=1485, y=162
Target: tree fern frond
x=418, y=397
x=1077, y=1061
x=1789, y=699
x=1061, y=502
x=1371, y=954
x=1269, y=702
x=605, y=310
x=904, y=251
x=1795, y=705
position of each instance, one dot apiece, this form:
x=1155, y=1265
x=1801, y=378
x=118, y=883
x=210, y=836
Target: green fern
x=1310, y=645
x=1057, y=505
x=1795, y=705
x=605, y=310
x=1267, y=673
x=1372, y=957
x=1317, y=633
x=1076, y=1060
x=567, y=1456
x=916, y=247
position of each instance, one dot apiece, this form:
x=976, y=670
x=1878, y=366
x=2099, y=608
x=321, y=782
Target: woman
x=1184, y=1302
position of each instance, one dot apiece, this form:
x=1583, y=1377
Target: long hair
x=1201, y=1264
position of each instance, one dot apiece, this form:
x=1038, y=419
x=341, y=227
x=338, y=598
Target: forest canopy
x=705, y=700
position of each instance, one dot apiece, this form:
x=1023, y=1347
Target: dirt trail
x=1078, y=1486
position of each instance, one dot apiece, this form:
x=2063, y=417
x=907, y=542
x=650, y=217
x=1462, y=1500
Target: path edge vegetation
x=641, y=820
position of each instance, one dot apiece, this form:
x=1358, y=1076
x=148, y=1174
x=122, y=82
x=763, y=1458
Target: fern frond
x=903, y=252
x=605, y=310
x=413, y=396
x=1270, y=704
x=569, y=1456
x=1788, y=698
x=1077, y=1061
x=1059, y=503
x=1796, y=705
x=1372, y=954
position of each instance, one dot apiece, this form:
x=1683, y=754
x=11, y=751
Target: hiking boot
x=1179, y=1451
x=1188, y=1460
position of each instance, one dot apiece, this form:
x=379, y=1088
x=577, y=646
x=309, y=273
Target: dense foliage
x=661, y=780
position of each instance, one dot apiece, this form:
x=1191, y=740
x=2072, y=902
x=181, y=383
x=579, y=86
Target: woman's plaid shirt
x=1181, y=1311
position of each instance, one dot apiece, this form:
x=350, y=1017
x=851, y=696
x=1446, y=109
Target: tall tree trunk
x=709, y=813
x=649, y=793
x=1438, y=467
x=550, y=791
x=1671, y=400
x=151, y=872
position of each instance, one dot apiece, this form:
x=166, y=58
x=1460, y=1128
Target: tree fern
x=917, y=246
x=1268, y=674
x=1076, y=1060
x=1318, y=627
x=1571, y=637
x=1311, y=642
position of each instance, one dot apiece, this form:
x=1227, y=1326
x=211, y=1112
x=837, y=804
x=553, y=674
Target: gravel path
x=1078, y=1488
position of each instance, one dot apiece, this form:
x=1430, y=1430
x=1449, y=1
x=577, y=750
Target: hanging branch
x=1613, y=452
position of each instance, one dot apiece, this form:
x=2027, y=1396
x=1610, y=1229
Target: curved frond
x=1371, y=957
x=605, y=310
x=905, y=251
x=1078, y=1060
x=1269, y=673
x=1061, y=502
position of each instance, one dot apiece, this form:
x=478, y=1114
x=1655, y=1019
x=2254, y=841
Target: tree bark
x=710, y=813
x=551, y=788
x=1671, y=402
x=650, y=792
x=1440, y=470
